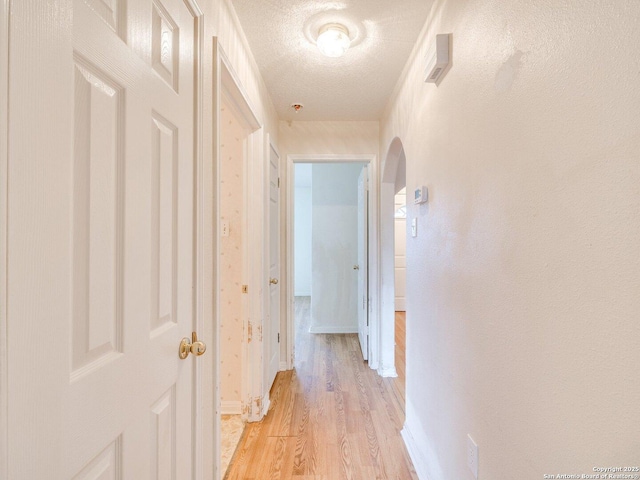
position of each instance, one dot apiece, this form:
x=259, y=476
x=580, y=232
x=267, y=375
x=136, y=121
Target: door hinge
x=278, y=338
x=278, y=182
x=245, y=288
x=249, y=332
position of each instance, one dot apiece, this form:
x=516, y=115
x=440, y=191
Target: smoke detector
x=297, y=107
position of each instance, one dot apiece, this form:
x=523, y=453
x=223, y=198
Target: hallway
x=331, y=418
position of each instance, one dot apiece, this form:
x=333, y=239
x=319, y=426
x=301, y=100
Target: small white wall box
x=421, y=195
x=437, y=58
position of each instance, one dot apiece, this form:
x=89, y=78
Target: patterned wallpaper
x=231, y=198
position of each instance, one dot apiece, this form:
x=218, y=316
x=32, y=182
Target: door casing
x=363, y=262
x=391, y=176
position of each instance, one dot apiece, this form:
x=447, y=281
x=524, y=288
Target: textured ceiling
x=356, y=86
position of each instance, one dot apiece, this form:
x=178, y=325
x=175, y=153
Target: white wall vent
x=437, y=59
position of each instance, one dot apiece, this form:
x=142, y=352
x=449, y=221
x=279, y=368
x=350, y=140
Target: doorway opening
x=393, y=235
x=400, y=274
x=326, y=245
x=232, y=263
x=328, y=227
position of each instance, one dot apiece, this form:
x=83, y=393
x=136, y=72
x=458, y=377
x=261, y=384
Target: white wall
x=334, y=289
x=522, y=285
x=328, y=137
x=302, y=230
x=302, y=219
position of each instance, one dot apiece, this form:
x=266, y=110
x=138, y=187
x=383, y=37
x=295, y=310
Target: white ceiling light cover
x=333, y=40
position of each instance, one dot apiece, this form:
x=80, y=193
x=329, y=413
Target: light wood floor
x=401, y=341
x=231, y=428
x=331, y=418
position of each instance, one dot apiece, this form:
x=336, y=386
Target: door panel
x=163, y=435
x=363, y=263
x=98, y=194
x=107, y=465
x=109, y=215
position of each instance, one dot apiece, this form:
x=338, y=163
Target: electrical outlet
x=472, y=456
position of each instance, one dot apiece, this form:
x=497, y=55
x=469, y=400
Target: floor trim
x=419, y=463
x=335, y=329
x=390, y=372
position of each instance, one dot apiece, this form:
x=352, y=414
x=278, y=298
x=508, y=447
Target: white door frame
x=229, y=85
x=201, y=382
x=363, y=261
x=374, y=326
x=4, y=188
x=386, y=257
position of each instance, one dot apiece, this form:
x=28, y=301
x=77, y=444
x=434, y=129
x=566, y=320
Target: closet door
x=100, y=239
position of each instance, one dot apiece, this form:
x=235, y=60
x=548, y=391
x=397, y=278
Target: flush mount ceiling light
x=333, y=40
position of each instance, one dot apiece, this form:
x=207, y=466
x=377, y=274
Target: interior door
x=100, y=239
x=363, y=263
x=273, y=339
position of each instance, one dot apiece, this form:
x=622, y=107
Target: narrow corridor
x=331, y=418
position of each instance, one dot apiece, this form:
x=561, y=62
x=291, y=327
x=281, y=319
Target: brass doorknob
x=273, y=281
x=356, y=267
x=194, y=346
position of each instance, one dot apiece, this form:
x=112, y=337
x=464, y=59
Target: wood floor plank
x=331, y=418
x=400, y=341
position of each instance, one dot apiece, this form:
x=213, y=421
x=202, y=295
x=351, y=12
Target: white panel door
x=272, y=344
x=363, y=263
x=100, y=239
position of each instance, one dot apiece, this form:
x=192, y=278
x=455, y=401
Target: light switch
x=224, y=227
x=414, y=227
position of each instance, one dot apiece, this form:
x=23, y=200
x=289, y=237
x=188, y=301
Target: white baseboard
x=283, y=367
x=266, y=402
x=388, y=372
x=419, y=463
x=400, y=304
x=333, y=329
x=230, y=407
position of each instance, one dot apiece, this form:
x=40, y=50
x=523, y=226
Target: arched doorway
x=393, y=180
